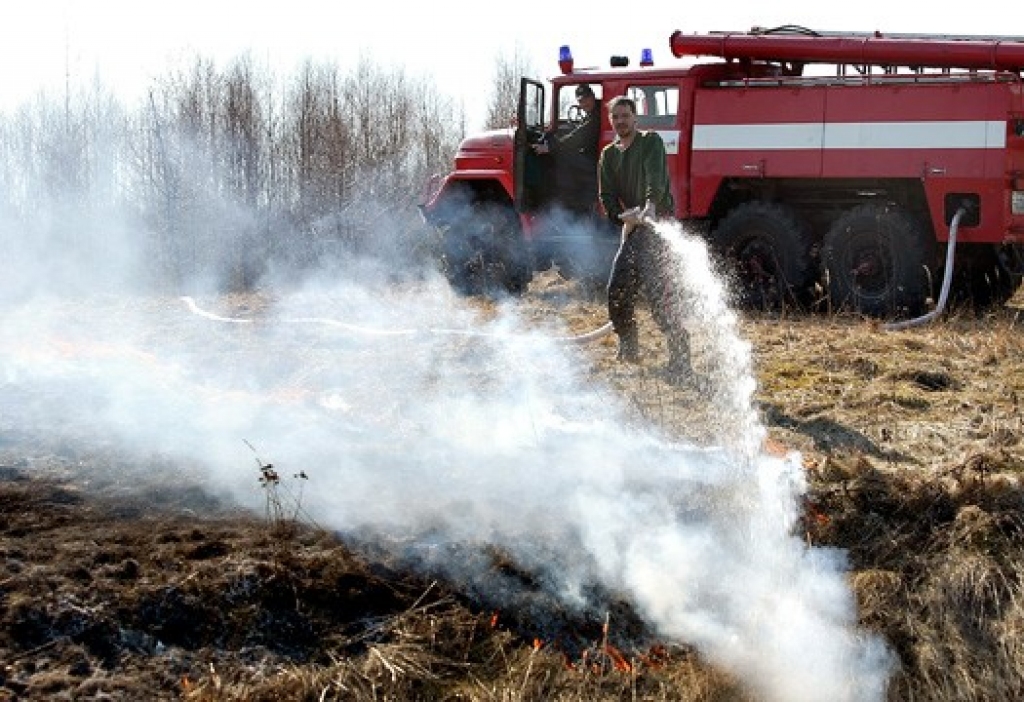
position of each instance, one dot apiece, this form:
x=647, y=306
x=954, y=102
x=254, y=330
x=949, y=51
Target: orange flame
x=656, y=657
x=619, y=661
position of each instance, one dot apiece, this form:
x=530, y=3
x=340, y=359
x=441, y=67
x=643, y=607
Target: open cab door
x=529, y=169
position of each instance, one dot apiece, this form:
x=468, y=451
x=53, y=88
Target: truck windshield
x=569, y=105
x=656, y=105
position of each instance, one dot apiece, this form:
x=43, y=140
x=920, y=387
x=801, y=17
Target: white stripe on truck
x=849, y=135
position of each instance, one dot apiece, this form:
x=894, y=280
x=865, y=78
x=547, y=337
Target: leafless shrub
x=501, y=110
x=226, y=173
x=283, y=503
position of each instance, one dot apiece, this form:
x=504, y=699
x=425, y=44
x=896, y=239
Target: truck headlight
x=1017, y=202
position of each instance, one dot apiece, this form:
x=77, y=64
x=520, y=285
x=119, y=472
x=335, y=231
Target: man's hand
x=541, y=148
x=632, y=216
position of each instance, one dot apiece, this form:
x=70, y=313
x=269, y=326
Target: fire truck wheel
x=1009, y=266
x=484, y=254
x=986, y=275
x=879, y=261
x=766, y=247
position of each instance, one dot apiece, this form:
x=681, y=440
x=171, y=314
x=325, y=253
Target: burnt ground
x=124, y=577
x=110, y=591
x=132, y=593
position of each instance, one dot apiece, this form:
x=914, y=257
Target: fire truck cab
x=820, y=166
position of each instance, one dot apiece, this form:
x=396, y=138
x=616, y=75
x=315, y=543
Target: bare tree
x=505, y=87
x=225, y=172
x=243, y=123
x=318, y=153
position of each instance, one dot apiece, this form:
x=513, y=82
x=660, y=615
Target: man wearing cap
x=575, y=154
x=583, y=139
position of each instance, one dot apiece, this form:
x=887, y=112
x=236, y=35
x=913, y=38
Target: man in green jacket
x=634, y=186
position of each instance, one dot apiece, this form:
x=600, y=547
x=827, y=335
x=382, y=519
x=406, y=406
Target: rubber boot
x=679, y=369
x=629, y=346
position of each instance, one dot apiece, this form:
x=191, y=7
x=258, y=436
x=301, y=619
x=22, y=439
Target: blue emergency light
x=646, y=57
x=565, y=59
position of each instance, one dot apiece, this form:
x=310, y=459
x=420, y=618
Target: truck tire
x=767, y=250
x=986, y=275
x=879, y=261
x=590, y=262
x=484, y=253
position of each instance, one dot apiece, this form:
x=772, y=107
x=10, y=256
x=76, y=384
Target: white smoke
x=466, y=429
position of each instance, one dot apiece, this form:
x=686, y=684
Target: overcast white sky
x=128, y=42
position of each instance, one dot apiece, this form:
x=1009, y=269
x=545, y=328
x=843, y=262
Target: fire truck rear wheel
x=484, y=253
x=986, y=275
x=767, y=247
x=879, y=261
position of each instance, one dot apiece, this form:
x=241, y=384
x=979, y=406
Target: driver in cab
x=582, y=140
x=575, y=155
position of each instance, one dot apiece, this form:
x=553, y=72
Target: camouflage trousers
x=641, y=269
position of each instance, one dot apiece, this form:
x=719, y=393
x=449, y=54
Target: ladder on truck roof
x=798, y=30
x=797, y=47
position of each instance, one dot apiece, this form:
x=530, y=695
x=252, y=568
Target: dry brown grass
x=913, y=443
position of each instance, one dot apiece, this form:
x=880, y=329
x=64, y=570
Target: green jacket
x=629, y=178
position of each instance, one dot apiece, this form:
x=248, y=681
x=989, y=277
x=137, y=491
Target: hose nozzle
x=639, y=215
x=648, y=213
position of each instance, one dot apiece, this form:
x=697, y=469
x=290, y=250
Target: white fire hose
x=947, y=279
x=631, y=218
x=586, y=337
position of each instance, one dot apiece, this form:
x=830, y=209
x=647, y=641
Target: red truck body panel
x=950, y=135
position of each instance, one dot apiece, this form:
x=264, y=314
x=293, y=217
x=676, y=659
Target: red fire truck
x=833, y=165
